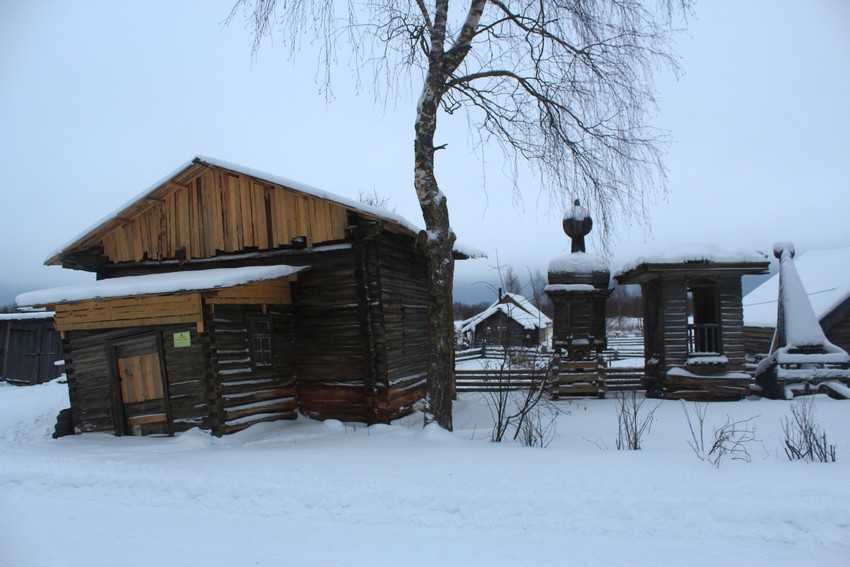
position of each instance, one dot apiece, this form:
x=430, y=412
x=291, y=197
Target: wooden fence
x=495, y=380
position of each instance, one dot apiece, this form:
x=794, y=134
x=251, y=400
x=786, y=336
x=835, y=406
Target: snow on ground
x=312, y=493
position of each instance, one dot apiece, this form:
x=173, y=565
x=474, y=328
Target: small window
x=260, y=339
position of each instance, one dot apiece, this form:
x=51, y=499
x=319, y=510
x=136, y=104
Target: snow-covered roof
x=524, y=313
x=825, y=274
x=376, y=212
x=577, y=262
x=170, y=282
x=527, y=306
x=687, y=253
x=19, y=316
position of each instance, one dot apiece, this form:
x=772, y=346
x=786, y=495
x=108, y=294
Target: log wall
x=243, y=392
x=93, y=390
x=757, y=340
x=330, y=363
x=732, y=322
x=499, y=329
x=405, y=337
x=667, y=327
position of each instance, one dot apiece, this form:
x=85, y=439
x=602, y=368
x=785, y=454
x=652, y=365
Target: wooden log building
x=511, y=321
x=227, y=297
x=693, y=321
x=29, y=348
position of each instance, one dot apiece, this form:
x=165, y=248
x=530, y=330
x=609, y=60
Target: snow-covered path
x=313, y=493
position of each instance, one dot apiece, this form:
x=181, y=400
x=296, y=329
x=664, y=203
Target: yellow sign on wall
x=183, y=339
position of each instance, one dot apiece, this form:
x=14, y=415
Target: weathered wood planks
x=215, y=211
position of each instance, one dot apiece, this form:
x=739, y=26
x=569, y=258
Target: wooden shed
x=511, y=321
x=693, y=320
x=29, y=348
x=227, y=297
x=825, y=274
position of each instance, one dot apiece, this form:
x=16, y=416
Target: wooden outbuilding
x=29, y=348
x=511, y=321
x=826, y=277
x=227, y=297
x=693, y=320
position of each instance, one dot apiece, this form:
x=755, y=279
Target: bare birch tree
x=563, y=84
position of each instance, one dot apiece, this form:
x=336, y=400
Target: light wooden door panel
x=140, y=377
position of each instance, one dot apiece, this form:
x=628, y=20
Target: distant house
x=29, y=348
x=825, y=274
x=227, y=297
x=512, y=321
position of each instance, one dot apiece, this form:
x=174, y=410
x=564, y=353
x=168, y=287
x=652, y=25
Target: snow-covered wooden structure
x=802, y=360
x=825, y=274
x=228, y=296
x=693, y=320
x=29, y=348
x=579, y=286
x=511, y=321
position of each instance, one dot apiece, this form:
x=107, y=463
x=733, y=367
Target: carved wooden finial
x=577, y=225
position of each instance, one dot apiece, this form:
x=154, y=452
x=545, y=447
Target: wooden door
x=144, y=407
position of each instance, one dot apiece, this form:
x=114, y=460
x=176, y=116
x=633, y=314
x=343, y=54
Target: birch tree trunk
x=438, y=238
x=437, y=241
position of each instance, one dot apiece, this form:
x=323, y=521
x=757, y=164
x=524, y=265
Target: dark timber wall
x=28, y=350
x=330, y=360
x=499, y=329
x=94, y=391
x=245, y=393
x=361, y=331
x=402, y=275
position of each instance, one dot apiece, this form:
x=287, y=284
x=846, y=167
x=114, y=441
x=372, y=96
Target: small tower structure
x=578, y=289
x=693, y=320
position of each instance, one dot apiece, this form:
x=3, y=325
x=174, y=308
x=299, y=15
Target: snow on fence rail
x=627, y=346
x=496, y=380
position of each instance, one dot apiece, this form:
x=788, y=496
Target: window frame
x=260, y=341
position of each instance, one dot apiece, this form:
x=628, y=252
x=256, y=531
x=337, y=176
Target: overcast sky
x=98, y=100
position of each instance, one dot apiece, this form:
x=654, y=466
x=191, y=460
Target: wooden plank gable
x=206, y=211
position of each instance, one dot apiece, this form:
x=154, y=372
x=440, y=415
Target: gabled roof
x=154, y=193
x=523, y=312
x=825, y=274
x=171, y=282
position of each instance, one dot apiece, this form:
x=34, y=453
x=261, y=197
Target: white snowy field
x=311, y=493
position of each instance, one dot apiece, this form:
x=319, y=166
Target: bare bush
x=804, y=438
x=521, y=409
x=631, y=425
x=730, y=439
